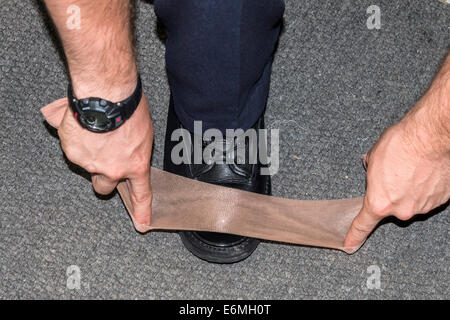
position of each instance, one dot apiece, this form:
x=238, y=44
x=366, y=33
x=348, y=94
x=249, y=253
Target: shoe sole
x=219, y=253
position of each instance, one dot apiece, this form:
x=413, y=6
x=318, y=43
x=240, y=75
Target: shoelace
x=231, y=150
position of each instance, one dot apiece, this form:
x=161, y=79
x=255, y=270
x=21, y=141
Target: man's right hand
x=121, y=154
x=408, y=168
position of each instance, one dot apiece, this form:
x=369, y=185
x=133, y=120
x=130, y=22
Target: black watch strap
x=105, y=115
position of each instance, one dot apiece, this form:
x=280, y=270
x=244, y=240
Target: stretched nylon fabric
x=184, y=204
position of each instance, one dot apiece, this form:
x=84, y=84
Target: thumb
x=361, y=227
x=141, y=200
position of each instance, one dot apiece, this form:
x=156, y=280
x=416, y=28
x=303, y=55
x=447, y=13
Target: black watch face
x=95, y=120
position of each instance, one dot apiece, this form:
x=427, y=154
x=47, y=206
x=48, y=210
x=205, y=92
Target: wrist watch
x=100, y=115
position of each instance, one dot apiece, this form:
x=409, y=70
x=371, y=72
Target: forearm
x=429, y=121
x=100, y=53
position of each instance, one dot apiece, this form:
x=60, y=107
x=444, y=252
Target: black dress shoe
x=210, y=246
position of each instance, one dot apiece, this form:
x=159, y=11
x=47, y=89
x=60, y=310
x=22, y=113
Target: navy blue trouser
x=218, y=57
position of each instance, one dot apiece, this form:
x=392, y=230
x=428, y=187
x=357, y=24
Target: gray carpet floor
x=336, y=86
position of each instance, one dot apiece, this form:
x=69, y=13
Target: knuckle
x=90, y=168
x=143, y=199
x=142, y=168
x=71, y=153
x=115, y=174
x=361, y=229
x=405, y=214
x=379, y=208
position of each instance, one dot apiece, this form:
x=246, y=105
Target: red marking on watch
x=118, y=119
x=76, y=115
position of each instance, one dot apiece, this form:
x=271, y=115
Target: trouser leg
x=218, y=57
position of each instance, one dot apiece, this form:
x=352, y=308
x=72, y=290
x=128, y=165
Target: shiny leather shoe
x=210, y=246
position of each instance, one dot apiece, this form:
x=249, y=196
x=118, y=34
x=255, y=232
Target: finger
x=102, y=184
x=361, y=227
x=141, y=200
